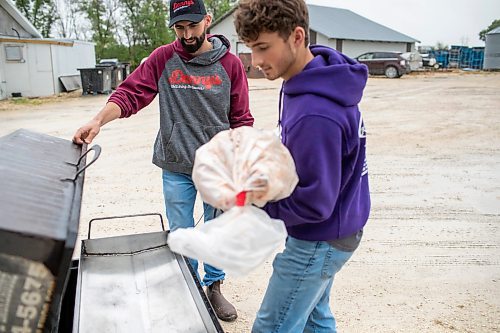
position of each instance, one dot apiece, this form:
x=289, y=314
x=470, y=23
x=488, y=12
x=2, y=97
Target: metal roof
x=494, y=31
x=341, y=23
x=344, y=24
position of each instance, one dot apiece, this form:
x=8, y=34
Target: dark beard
x=192, y=48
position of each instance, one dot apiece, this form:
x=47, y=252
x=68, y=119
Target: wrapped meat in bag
x=244, y=159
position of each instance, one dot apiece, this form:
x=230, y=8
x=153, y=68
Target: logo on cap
x=182, y=4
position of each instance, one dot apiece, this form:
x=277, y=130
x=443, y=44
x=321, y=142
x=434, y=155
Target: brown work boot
x=224, y=310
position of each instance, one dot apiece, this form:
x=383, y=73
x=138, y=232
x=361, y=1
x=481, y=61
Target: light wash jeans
x=298, y=294
x=180, y=195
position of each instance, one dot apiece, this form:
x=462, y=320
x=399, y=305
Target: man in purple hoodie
x=202, y=90
x=321, y=125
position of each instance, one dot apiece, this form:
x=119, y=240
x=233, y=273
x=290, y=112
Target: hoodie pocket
x=211, y=131
x=185, y=139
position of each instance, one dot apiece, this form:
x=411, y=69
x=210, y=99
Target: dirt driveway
x=430, y=258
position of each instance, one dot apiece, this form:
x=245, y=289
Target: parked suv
x=390, y=64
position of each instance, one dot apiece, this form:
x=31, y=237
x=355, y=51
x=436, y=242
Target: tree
x=218, y=7
x=440, y=46
x=493, y=25
x=41, y=13
x=125, y=29
x=102, y=21
x=144, y=26
x=70, y=22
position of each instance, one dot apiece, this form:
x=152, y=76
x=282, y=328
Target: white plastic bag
x=234, y=170
x=237, y=241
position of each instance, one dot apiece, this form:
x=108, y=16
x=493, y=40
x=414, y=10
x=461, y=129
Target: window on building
x=14, y=53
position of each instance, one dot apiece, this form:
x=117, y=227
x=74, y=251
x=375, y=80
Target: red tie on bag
x=241, y=198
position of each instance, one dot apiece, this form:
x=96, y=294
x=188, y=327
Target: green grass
x=26, y=101
x=20, y=102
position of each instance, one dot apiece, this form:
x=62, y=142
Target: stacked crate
x=460, y=57
x=477, y=58
x=454, y=56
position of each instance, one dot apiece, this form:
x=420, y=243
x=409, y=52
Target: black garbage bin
x=126, y=69
x=116, y=73
x=96, y=80
x=117, y=76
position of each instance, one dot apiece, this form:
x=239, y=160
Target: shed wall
x=492, y=52
x=354, y=48
x=37, y=73
x=66, y=60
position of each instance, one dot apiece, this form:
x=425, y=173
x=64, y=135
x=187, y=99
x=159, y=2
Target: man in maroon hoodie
x=202, y=90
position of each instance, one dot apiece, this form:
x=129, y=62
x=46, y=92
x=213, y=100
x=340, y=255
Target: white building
x=31, y=66
x=492, y=50
x=338, y=28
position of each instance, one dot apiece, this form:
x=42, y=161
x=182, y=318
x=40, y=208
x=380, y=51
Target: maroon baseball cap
x=186, y=10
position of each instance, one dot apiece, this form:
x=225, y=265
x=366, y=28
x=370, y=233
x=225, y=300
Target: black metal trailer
x=130, y=283
x=41, y=183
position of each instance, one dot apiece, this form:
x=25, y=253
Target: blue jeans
x=298, y=295
x=180, y=195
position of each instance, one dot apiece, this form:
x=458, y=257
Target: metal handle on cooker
x=97, y=153
x=125, y=216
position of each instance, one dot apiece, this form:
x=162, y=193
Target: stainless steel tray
x=134, y=283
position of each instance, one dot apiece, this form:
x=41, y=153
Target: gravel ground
x=430, y=257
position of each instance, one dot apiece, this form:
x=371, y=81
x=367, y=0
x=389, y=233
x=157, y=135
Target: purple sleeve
x=239, y=114
x=141, y=86
x=316, y=147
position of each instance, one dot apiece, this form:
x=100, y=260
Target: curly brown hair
x=255, y=16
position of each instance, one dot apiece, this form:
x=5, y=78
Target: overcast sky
x=452, y=22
